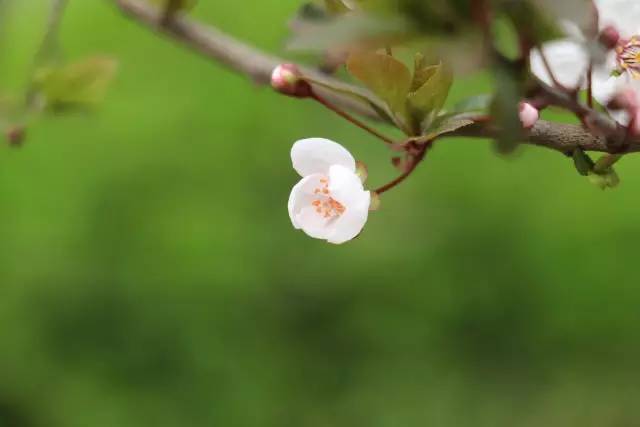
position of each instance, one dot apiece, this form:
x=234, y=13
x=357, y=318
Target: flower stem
x=350, y=118
x=415, y=160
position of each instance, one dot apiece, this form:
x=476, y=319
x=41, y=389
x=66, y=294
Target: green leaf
x=475, y=104
x=446, y=124
x=344, y=31
x=357, y=94
x=429, y=98
x=384, y=75
x=421, y=72
x=509, y=81
x=530, y=20
x=583, y=163
x=336, y=7
x=79, y=84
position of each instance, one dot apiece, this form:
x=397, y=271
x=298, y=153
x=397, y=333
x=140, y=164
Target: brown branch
x=257, y=65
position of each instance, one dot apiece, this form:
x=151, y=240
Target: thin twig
x=251, y=62
x=336, y=109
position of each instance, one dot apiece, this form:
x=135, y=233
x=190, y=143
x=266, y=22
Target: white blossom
x=329, y=202
x=569, y=58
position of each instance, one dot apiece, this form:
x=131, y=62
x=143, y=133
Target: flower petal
x=351, y=223
x=316, y=155
x=344, y=185
x=605, y=86
x=301, y=195
x=567, y=59
x=623, y=15
x=346, y=188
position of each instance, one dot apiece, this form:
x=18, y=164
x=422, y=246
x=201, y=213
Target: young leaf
x=446, y=124
x=583, y=163
x=79, y=84
x=384, y=75
x=429, y=98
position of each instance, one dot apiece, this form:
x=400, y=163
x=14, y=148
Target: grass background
x=149, y=274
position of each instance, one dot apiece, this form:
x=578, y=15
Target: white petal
x=604, y=85
x=618, y=84
x=316, y=155
x=624, y=15
x=302, y=195
x=344, y=185
x=568, y=61
x=351, y=223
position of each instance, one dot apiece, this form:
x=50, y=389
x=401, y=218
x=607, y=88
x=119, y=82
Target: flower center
x=628, y=56
x=325, y=205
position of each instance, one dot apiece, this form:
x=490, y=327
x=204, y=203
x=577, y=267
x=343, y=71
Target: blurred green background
x=149, y=274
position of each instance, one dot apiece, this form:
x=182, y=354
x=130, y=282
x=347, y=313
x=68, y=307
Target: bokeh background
x=149, y=275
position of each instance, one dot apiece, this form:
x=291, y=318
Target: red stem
x=350, y=118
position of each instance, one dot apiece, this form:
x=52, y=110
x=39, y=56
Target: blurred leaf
x=509, y=82
x=604, y=180
x=478, y=103
x=79, y=84
x=387, y=77
x=530, y=21
x=583, y=163
x=336, y=6
x=346, y=30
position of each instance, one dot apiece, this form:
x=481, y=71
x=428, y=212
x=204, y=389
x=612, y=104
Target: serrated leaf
x=80, y=84
x=384, y=75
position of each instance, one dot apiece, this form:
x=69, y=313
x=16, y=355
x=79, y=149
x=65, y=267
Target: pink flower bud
x=609, y=37
x=529, y=115
x=287, y=79
x=626, y=99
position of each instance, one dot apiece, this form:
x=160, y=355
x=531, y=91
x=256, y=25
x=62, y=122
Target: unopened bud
x=626, y=99
x=609, y=37
x=529, y=115
x=15, y=135
x=287, y=79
